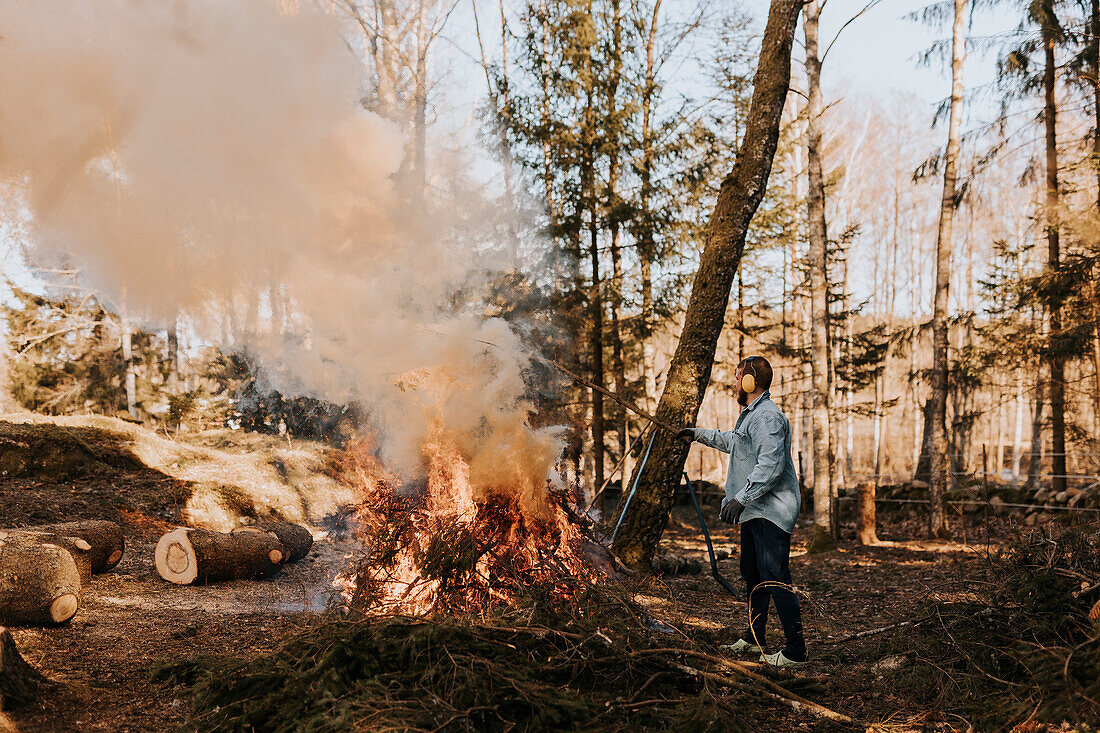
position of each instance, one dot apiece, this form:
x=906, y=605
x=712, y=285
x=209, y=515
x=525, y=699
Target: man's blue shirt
x=761, y=472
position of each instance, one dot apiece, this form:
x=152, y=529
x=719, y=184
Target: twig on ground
x=775, y=692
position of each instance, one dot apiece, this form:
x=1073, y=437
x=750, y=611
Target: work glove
x=731, y=512
x=686, y=434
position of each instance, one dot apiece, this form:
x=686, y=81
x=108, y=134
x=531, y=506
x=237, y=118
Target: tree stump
x=39, y=584
x=866, y=521
x=188, y=556
x=20, y=683
x=106, y=539
x=295, y=539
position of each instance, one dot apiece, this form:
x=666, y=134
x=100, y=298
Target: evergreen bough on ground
x=527, y=669
x=1015, y=643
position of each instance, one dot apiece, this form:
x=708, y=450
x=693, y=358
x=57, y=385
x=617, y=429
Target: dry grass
x=229, y=475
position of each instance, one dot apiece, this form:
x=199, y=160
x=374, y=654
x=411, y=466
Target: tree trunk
x=690, y=368
x=797, y=425
x=596, y=343
x=1035, y=460
x=1057, y=361
x=866, y=522
x=420, y=104
x=186, y=556
x=173, y=360
x=1018, y=437
x=1000, y=450
x=20, y=683
x=1094, y=51
x=618, y=369
x=130, y=376
x=295, y=539
x=78, y=549
x=876, y=453
x=940, y=468
x=106, y=539
x=646, y=244
x=39, y=584
x=824, y=537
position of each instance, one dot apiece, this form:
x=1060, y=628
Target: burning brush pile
x=443, y=544
x=474, y=518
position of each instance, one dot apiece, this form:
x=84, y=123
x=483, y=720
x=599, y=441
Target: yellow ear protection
x=748, y=381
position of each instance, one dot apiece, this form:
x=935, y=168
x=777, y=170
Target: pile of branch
x=44, y=569
x=470, y=564
x=500, y=673
x=1018, y=641
x=185, y=555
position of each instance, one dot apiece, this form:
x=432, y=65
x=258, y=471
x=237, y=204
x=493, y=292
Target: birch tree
x=940, y=461
x=823, y=538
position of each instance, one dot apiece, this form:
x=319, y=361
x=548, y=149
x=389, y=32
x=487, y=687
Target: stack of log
x=186, y=555
x=44, y=569
x=1072, y=497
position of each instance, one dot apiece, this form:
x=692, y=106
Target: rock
x=1043, y=517
x=918, y=484
x=1061, y=497
x=1041, y=495
x=997, y=503
x=1072, y=492
x=1029, y=520
x=889, y=664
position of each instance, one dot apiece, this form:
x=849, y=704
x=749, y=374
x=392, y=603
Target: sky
x=878, y=53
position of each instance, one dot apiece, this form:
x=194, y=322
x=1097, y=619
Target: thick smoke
x=211, y=158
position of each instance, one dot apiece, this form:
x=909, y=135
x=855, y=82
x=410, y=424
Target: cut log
x=106, y=539
x=79, y=549
x=188, y=556
x=39, y=584
x=296, y=539
x=20, y=683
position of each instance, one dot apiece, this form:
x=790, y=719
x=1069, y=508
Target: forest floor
x=132, y=621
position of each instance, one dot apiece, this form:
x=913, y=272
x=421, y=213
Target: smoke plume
x=212, y=158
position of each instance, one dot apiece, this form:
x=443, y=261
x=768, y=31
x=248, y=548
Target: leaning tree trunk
x=689, y=371
x=940, y=473
x=823, y=456
x=1057, y=360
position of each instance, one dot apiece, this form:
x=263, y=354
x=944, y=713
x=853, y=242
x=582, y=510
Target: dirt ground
x=851, y=590
x=131, y=620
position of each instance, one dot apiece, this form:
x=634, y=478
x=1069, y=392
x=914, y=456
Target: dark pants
x=765, y=559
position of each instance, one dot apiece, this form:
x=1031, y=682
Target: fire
x=480, y=522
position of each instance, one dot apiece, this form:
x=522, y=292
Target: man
x=763, y=496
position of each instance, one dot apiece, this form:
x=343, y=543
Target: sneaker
x=779, y=659
x=742, y=647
